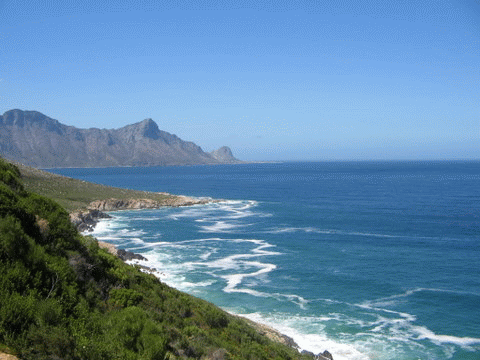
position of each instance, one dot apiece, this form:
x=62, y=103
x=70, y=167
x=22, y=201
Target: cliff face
x=34, y=139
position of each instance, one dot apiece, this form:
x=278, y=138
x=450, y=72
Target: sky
x=274, y=80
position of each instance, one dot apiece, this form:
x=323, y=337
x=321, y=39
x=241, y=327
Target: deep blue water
x=370, y=260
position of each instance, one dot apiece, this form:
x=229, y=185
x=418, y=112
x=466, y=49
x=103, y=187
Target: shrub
x=216, y=318
x=14, y=244
x=49, y=313
x=130, y=328
x=49, y=342
x=16, y=314
x=124, y=297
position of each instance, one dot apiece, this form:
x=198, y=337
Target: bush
x=131, y=329
x=14, y=243
x=16, y=314
x=49, y=313
x=124, y=297
x=49, y=342
x=10, y=175
x=216, y=318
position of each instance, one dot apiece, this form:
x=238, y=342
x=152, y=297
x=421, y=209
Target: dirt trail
x=4, y=356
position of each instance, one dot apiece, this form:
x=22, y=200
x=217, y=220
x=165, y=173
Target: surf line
x=86, y=220
x=260, y=249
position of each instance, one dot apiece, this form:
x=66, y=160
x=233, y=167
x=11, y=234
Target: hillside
x=73, y=194
x=62, y=297
x=34, y=139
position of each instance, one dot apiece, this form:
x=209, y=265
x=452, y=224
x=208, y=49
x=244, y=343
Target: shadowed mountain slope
x=35, y=139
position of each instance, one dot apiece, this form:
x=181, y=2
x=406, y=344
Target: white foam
x=192, y=286
x=221, y=227
x=308, y=334
x=104, y=225
x=145, y=218
x=403, y=328
x=403, y=316
x=109, y=238
x=232, y=263
x=127, y=232
x=313, y=342
x=237, y=204
x=240, y=261
x=158, y=265
x=464, y=342
x=224, y=210
x=148, y=245
x=296, y=299
x=188, y=212
x=206, y=255
x=380, y=327
x=392, y=300
x=309, y=229
x=236, y=279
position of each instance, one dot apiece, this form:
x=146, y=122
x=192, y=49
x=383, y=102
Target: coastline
x=359, y=309
x=86, y=220
x=270, y=332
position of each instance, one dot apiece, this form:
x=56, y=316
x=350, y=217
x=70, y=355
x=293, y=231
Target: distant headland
x=34, y=139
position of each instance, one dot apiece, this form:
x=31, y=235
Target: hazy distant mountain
x=34, y=139
x=224, y=155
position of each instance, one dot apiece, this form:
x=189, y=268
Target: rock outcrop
x=31, y=138
x=87, y=219
x=135, y=204
x=322, y=356
x=224, y=155
x=124, y=255
x=4, y=356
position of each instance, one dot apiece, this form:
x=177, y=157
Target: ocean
x=369, y=260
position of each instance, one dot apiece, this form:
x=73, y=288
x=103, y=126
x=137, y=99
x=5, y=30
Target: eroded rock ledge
x=134, y=204
x=85, y=220
x=277, y=336
x=125, y=255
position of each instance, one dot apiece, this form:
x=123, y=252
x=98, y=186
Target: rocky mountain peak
x=19, y=118
x=15, y=117
x=149, y=129
x=224, y=154
x=35, y=139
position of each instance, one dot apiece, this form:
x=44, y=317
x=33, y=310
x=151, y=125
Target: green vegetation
x=74, y=194
x=62, y=297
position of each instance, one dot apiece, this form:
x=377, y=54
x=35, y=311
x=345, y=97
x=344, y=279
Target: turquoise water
x=370, y=260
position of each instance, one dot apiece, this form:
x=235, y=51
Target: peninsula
x=33, y=138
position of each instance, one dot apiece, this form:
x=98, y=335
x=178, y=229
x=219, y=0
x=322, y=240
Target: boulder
x=128, y=255
x=325, y=355
x=86, y=220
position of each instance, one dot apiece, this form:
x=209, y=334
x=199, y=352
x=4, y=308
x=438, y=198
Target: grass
x=74, y=194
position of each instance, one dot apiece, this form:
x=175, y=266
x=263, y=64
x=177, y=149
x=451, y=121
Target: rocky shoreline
x=86, y=220
x=137, y=204
x=276, y=336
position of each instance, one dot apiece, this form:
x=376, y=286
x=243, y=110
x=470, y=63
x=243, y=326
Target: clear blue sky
x=274, y=80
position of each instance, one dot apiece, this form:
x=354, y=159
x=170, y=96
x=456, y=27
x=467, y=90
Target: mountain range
x=34, y=139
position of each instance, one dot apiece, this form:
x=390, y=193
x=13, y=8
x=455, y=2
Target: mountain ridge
x=35, y=139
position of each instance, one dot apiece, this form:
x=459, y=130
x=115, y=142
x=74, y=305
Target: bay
x=370, y=260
